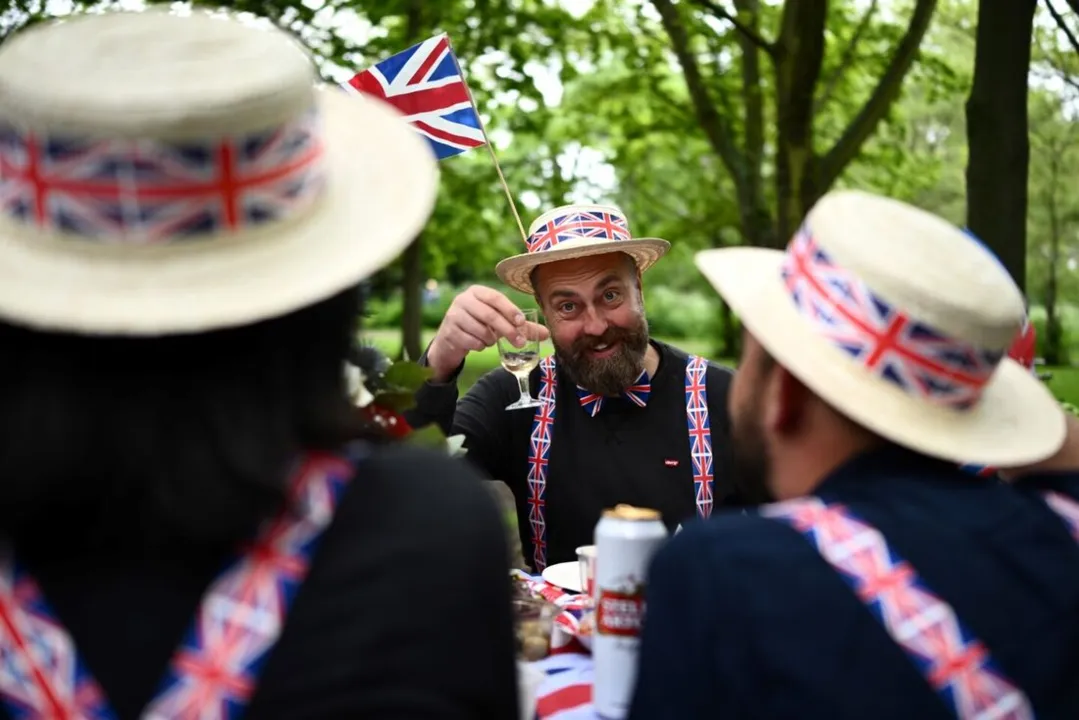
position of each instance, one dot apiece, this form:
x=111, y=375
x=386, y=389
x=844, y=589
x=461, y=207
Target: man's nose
x=594, y=323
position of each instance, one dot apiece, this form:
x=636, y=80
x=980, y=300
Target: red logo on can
x=620, y=613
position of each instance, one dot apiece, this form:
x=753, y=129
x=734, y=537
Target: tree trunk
x=798, y=65
x=755, y=217
x=1053, y=345
x=412, y=260
x=998, y=146
x=412, y=307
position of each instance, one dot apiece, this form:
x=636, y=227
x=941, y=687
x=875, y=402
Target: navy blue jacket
x=746, y=620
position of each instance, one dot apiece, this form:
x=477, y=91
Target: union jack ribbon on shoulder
x=956, y=665
x=539, y=456
x=425, y=83
x=920, y=360
x=214, y=672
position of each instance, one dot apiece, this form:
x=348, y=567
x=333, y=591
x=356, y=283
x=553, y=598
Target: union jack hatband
x=900, y=322
x=179, y=173
x=215, y=670
x=956, y=665
x=576, y=231
x=1023, y=351
x=539, y=454
x=882, y=338
x=151, y=192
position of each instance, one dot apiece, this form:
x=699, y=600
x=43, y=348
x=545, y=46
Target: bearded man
x=623, y=418
x=886, y=582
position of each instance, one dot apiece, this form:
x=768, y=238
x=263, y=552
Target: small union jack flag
x=425, y=83
x=591, y=224
x=637, y=393
x=882, y=338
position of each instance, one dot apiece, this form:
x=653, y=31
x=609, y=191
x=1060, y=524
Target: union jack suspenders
x=700, y=448
x=539, y=456
x=213, y=673
x=700, y=432
x=955, y=663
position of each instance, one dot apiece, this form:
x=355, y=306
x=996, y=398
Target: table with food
x=578, y=623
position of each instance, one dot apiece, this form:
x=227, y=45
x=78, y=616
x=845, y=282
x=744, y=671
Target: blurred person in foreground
x=188, y=530
x=623, y=418
x=885, y=582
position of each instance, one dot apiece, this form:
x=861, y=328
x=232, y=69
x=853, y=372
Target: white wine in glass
x=521, y=361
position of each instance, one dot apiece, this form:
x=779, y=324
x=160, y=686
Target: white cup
x=586, y=562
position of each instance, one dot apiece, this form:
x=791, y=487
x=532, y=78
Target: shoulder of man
x=419, y=491
x=1063, y=482
x=751, y=551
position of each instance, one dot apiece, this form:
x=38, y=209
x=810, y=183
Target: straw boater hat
x=170, y=174
x=577, y=231
x=901, y=322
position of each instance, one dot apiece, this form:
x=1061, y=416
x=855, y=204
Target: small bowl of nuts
x=534, y=621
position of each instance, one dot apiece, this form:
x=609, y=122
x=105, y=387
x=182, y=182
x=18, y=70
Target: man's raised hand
x=475, y=320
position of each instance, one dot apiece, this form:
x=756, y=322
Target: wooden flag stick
x=490, y=147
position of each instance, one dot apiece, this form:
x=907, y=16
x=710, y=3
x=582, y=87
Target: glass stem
x=522, y=380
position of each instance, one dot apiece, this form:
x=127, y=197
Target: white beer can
x=626, y=539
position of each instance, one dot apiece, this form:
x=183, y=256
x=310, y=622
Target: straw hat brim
x=516, y=271
x=382, y=184
x=1017, y=421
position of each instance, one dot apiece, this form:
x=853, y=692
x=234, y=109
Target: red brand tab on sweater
x=670, y=463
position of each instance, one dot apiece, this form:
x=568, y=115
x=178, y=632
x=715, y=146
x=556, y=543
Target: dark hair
x=163, y=442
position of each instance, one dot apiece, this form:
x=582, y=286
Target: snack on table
x=519, y=588
x=533, y=623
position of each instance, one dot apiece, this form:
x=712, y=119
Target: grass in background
x=1064, y=383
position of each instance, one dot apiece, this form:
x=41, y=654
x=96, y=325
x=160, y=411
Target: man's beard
x=752, y=464
x=607, y=376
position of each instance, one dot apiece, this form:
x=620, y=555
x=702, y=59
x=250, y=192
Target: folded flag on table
x=425, y=83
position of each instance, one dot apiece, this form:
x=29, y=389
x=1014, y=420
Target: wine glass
x=521, y=361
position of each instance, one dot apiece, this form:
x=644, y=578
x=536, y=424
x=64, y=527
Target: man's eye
x=566, y=307
x=610, y=295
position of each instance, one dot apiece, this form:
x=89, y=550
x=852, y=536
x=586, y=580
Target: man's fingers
x=536, y=331
x=475, y=329
x=493, y=319
x=500, y=303
x=467, y=341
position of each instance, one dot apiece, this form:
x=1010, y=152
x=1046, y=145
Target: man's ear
x=785, y=400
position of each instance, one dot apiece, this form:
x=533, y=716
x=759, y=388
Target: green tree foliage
x=710, y=122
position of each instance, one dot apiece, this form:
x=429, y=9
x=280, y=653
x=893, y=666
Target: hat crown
x=920, y=264
x=154, y=128
x=577, y=224
x=154, y=74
